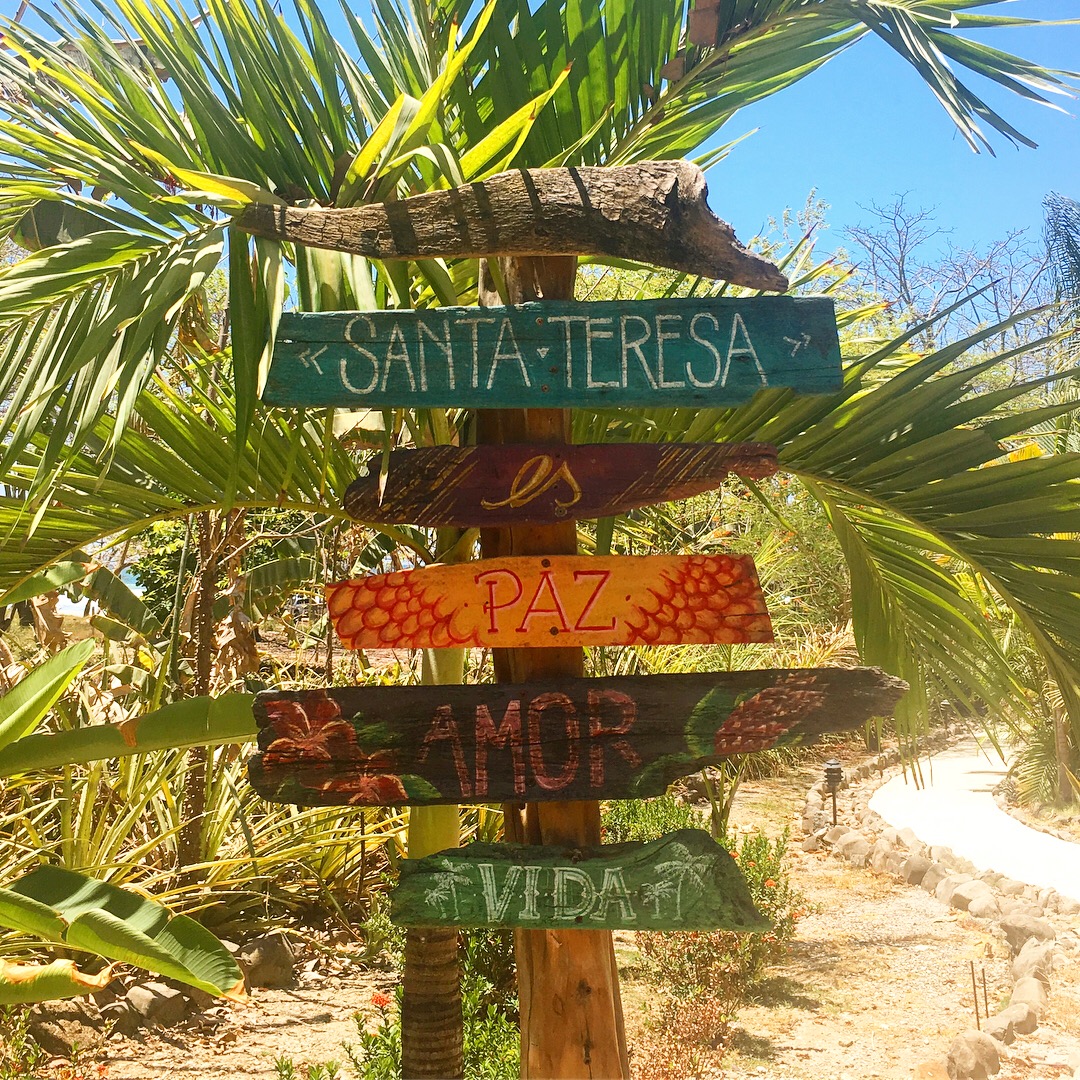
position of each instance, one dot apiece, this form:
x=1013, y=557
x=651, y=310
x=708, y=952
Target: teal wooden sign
x=704, y=352
x=683, y=881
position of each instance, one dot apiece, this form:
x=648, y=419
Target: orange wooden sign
x=555, y=600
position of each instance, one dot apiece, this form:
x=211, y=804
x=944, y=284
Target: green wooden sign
x=713, y=351
x=683, y=881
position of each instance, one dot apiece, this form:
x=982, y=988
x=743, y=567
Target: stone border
x=1017, y=910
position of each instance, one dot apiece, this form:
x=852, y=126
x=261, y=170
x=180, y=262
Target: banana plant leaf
x=24, y=984
x=198, y=721
x=70, y=909
x=22, y=707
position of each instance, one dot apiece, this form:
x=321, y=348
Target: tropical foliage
x=131, y=134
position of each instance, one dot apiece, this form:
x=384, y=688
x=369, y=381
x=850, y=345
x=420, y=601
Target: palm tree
x=149, y=151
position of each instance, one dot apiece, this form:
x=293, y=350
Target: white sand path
x=956, y=809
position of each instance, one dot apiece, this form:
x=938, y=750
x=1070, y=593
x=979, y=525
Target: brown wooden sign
x=567, y=738
x=555, y=601
x=494, y=486
x=683, y=881
x=653, y=211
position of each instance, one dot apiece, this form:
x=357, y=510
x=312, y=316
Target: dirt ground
x=878, y=981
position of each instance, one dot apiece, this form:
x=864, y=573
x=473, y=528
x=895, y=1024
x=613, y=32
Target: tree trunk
x=189, y=841
x=571, y=1010
x=432, y=1038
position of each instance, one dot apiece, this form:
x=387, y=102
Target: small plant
x=707, y=975
x=645, y=819
x=20, y=1055
x=21, y=1058
x=286, y=1070
x=489, y=1011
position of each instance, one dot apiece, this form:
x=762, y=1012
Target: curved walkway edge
x=956, y=808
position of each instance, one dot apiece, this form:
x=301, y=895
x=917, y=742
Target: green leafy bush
x=645, y=819
x=489, y=1010
x=723, y=965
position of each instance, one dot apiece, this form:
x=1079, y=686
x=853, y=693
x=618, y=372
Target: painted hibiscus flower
x=308, y=731
x=365, y=789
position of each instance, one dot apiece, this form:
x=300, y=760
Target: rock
x=879, y=855
x=942, y=854
x=157, y=1003
x=947, y=886
x=984, y=907
x=121, y=1017
x=1068, y=906
x=1018, y=928
x=914, y=869
x=812, y=843
x=893, y=863
x=888, y=834
x=1029, y=992
x=930, y=1070
x=1023, y=1018
x=1034, y=961
x=833, y=836
x=973, y=1056
x=269, y=961
x=964, y=866
x=991, y=877
x=1008, y=886
x=61, y=1026
x=1001, y=1027
x=935, y=874
x=907, y=838
x=967, y=891
x=854, y=847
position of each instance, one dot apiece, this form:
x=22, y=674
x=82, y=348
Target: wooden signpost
x=545, y=738
x=683, y=881
x=607, y=738
x=494, y=486
x=707, y=352
x=553, y=602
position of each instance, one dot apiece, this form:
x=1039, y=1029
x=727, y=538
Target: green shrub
x=645, y=819
x=489, y=1010
x=723, y=965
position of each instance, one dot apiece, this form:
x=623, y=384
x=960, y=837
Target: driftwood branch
x=655, y=212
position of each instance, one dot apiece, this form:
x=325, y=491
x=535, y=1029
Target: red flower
x=770, y=884
x=367, y=788
x=308, y=732
x=380, y=1001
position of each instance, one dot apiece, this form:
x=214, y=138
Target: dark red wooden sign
x=491, y=486
x=606, y=738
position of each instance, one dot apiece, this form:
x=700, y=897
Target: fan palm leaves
x=140, y=146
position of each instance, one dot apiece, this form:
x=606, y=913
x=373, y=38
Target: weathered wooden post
x=568, y=984
x=545, y=740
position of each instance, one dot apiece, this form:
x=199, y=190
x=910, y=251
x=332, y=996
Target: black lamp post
x=834, y=776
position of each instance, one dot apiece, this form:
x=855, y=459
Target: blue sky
x=864, y=127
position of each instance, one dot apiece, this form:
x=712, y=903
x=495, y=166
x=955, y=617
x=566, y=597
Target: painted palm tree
x=119, y=407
